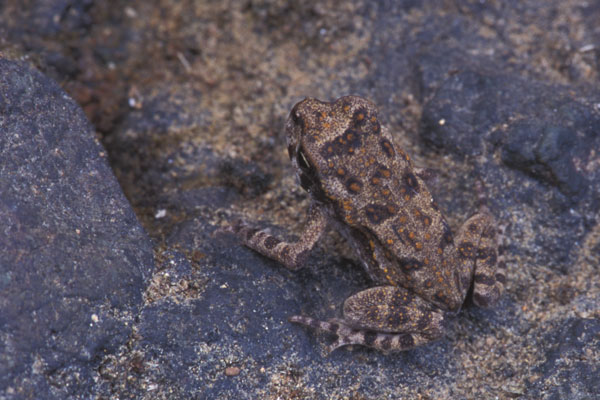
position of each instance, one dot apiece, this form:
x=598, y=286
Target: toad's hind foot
x=347, y=335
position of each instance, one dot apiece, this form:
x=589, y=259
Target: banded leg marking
x=383, y=341
x=291, y=254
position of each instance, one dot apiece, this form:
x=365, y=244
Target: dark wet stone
x=546, y=152
x=461, y=131
x=73, y=257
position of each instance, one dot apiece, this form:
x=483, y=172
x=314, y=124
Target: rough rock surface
x=189, y=99
x=74, y=259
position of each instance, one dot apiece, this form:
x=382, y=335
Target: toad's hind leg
x=482, y=258
x=386, y=318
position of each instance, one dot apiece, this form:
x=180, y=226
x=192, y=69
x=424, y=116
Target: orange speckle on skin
x=439, y=250
x=372, y=244
x=355, y=187
x=323, y=115
x=406, y=197
x=375, y=181
x=330, y=164
x=360, y=116
x=386, y=192
x=419, y=246
x=373, y=119
x=402, y=219
x=390, y=241
x=346, y=108
x=416, y=212
x=411, y=234
x=326, y=125
x=427, y=236
x=341, y=172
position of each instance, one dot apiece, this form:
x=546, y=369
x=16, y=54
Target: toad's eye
x=296, y=117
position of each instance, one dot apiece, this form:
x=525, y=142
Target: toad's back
x=347, y=161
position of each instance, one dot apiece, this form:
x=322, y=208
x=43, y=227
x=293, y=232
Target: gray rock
x=73, y=258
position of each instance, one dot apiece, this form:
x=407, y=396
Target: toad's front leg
x=291, y=254
x=387, y=318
